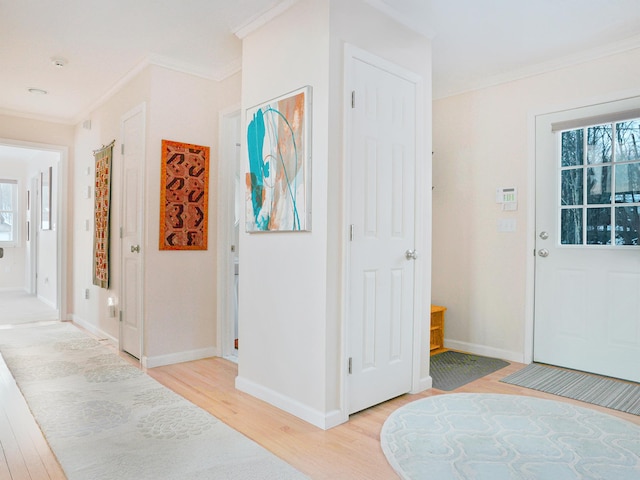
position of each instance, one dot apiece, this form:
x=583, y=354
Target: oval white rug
x=495, y=437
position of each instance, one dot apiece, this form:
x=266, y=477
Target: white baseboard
x=425, y=383
x=315, y=417
x=94, y=330
x=178, y=357
x=47, y=302
x=485, y=351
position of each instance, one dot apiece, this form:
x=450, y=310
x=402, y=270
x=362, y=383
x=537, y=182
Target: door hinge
x=120, y=315
x=121, y=232
x=351, y=232
x=353, y=99
x=350, y=367
x=122, y=149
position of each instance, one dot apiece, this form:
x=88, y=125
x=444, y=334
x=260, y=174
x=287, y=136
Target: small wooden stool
x=437, y=327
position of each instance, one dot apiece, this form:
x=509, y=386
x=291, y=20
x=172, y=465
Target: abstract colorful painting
x=278, y=182
x=184, y=196
x=102, y=207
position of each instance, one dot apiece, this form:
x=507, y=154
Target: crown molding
x=603, y=51
x=37, y=117
x=261, y=19
x=416, y=24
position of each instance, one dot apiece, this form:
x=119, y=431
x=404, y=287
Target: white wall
x=283, y=278
x=92, y=313
x=484, y=140
x=291, y=305
x=179, y=286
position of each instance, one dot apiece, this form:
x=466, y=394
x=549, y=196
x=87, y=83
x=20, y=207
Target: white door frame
x=226, y=273
x=531, y=200
x=33, y=234
x=422, y=213
x=142, y=110
x=61, y=216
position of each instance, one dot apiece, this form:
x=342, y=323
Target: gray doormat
x=603, y=391
x=450, y=370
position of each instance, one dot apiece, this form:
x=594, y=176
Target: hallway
x=18, y=307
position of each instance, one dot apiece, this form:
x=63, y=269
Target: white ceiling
x=475, y=42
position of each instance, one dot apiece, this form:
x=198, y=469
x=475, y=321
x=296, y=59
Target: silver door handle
x=544, y=235
x=411, y=254
x=543, y=252
x=135, y=248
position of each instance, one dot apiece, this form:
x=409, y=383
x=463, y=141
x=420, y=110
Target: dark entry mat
x=450, y=370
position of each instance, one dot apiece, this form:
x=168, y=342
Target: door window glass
x=600, y=185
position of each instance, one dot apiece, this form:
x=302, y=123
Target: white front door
x=381, y=267
x=587, y=267
x=131, y=295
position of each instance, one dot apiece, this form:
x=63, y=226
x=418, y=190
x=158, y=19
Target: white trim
x=40, y=118
x=421, y=277
x=315, y=417
x=262, y=19
x=164, y=62
x=142, y=110
x=416, y=24
x=48, y=303
x=95, y=331
x=225, y=235
x=179, y=357
x=485, y=351
x=544, y=67
x=425, y=383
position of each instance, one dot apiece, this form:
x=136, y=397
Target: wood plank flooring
x=349, y=451
x=24, y=453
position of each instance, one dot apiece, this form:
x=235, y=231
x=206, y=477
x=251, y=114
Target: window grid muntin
x=614, y=206
x=9, y=210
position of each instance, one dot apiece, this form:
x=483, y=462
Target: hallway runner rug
x=462, y=436
x=450, y=370
x=603, y=391
x=105, y=419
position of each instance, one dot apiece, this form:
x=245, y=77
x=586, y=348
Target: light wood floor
x=350, y=451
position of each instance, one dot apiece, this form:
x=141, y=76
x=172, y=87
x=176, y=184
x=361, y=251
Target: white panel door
x=587, y=268
x=382, y=203
x=133, y=138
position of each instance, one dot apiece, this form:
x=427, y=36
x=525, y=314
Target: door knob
x=411, y=254
x=544, y=235
x=135, y=248
x=543, y=252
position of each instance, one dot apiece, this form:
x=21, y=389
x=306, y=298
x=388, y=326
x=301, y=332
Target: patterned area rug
x=450, y=370
x=105, y=419
x=495, y=437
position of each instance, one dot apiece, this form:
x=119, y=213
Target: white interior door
x=381, y=257
x=587, y=268
x=132, y=293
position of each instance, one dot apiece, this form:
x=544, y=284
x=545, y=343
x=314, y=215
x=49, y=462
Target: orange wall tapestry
x=184, y=196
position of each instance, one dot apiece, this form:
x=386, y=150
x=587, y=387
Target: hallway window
x=8, y=212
